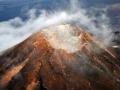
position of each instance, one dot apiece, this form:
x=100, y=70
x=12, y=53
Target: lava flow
x=63, y=57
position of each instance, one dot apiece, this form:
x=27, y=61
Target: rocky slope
x=63, y=57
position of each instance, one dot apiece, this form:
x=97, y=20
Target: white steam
x=62, y=37
x=16, y=30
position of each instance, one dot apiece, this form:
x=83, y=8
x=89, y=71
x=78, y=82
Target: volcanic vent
x=63, y=57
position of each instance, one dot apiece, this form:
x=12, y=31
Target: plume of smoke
x=61, y=37
x=101, y=29
x=16, y=30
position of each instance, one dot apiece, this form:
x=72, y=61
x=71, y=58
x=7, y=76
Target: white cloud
x=16, y=30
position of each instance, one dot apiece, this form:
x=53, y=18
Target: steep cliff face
x=63, y=57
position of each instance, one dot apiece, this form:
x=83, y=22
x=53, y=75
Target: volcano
x=61, y=57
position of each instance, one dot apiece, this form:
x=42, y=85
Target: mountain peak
x=62, y=57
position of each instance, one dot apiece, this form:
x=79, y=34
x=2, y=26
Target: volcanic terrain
x=62, y=57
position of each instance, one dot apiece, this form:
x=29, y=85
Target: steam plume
x=16, y=30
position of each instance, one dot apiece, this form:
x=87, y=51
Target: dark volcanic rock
x=47, y=62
